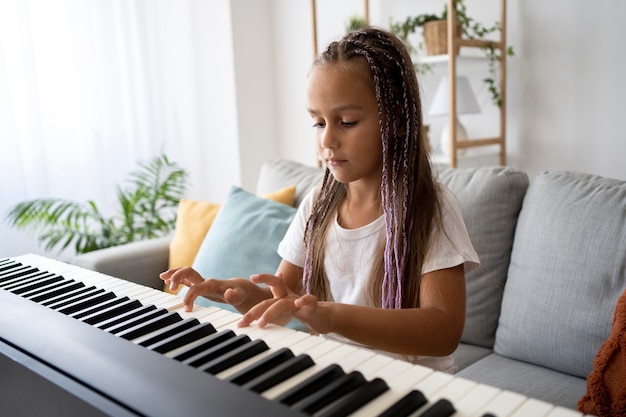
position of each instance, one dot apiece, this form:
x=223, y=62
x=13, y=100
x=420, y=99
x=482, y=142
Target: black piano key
x=125, y=318
x=356, y=399
x=442, y=408
x=86, y=302
x=150, y=326
x=38, y=283
x=183, y=338
x=235, y=357
x=98, y=307
x=62, y=288
x=77, y=295
x=12, y=276
x=406, y=405
x=201, y=345
x=112, y=311
x=217, y=351
x=311, y=385
x=331, y=392
x=45, y=288
x=279, y=374
x=12, y=266
x=167, y=331
x=488, y=415
x=66, y=296
x=260, y=367
x=10, y=284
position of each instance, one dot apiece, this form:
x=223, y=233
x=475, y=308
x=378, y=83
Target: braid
x=406, y=174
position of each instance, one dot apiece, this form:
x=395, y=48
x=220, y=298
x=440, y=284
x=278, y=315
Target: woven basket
x=436, y=37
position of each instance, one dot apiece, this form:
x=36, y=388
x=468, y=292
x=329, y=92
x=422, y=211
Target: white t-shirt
x=350, y=253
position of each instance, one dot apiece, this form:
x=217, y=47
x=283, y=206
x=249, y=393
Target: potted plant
x=433, y=24
x=147, y=209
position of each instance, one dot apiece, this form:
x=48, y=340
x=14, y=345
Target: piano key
x=20, y=281
x=331, y=392
x=149, y=314
x=165, y=332
x=96, y=308
x=75, y=297
x=311, y=385
x=441, y=408
x=234, y=357
x=86, y=302
x=533, y=407
x=149, y=326
x=260, y=367
x=62, y=288
x=110, y=312
x=62, y=282
x=279, y=374
x=217, y=351
x=201, y=346
x=356, y=399
x=68, y=295
x=475, y=399
x=124, y=317
x=18, y=275
x=503, y=404
x=183, y=338
x=564, y=412
x=405, y=406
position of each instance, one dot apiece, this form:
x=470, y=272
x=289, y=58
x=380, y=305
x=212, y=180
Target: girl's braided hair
x=408, y=191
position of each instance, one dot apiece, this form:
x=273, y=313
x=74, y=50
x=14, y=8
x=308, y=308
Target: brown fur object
x=606, y=384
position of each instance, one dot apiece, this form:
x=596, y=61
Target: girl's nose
x=328, y=139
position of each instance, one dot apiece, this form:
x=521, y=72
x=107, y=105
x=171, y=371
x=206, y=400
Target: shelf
x=444, y=59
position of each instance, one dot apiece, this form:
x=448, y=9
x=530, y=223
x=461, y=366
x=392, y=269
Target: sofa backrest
x=280, y=173
x=568, y=267
x=491, y=199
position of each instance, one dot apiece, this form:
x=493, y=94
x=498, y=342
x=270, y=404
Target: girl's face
x=344, y=110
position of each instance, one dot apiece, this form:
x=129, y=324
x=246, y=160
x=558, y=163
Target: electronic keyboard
x=75, y=342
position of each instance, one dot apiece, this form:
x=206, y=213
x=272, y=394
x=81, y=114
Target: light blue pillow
x=242, y=240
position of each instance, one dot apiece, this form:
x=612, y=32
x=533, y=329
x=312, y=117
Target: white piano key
x=504, y=404
x=475, y=399
x=564, y=412
x=452, y=391
x=533, y=407
x=399, y=385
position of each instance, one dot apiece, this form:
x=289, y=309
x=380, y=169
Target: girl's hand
x=285, y=305
x=238, y=292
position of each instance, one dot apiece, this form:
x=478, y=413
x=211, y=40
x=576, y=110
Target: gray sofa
x=553, y=264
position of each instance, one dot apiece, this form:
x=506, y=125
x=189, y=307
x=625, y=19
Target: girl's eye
x=348, y=124
x=318, y=124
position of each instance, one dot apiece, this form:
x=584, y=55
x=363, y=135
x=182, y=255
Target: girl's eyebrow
x=339, y=108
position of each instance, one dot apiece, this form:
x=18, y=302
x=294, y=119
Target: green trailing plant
x=147, y=209
x=356, y=23
x=470, y=28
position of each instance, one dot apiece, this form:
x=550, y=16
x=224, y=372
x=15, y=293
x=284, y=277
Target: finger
x=275, y=282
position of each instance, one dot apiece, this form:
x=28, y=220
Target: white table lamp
x=465, y=103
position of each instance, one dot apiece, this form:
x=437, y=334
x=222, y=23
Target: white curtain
x=90, y=87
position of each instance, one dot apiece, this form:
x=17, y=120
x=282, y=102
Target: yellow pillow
x=194, y=218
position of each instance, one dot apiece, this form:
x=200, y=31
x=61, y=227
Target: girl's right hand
x=238, y=292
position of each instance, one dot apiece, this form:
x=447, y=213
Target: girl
x=375, y=256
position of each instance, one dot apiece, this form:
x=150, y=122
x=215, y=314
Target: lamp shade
x=465, y=99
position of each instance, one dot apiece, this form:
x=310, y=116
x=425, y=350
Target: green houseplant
x=470, y=29
x=147, y=209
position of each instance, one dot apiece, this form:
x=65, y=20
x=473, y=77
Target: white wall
x=565, y=84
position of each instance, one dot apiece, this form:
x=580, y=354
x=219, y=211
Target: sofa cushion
x=281, y=173
x=193, y=220
x=491, y=199
x=527, y=379
x=568, y=267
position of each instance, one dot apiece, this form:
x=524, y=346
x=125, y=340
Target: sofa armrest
x=139, y=262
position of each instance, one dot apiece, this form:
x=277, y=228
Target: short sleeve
x=291, y=248
x=450, y=246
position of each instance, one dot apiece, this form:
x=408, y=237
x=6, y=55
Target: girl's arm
x=434, y=329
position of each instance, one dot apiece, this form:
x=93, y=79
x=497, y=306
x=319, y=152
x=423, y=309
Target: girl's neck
x=359, y=208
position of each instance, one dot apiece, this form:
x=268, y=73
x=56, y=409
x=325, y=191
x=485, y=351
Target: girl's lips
x=335, y=162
